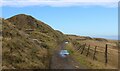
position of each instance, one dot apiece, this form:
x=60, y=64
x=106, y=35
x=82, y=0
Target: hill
x=26, y=22
x=28, y=42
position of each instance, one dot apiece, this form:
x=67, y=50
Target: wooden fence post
x=94, y=57
x=83, y=48
x=106, y=60
x=88, y=50
x=79, y=48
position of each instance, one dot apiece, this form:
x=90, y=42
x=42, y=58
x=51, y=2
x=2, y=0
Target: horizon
x=93, y=20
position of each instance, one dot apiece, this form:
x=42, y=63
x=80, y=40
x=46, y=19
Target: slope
x=28, y=43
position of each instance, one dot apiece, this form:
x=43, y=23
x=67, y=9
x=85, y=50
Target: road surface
x=58, y=62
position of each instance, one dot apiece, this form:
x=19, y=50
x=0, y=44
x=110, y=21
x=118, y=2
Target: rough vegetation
x=79, y=42
x=29, y=43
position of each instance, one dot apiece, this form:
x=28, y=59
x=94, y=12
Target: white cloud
x=59, y=3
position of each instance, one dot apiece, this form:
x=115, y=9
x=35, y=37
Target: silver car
x=64, y=53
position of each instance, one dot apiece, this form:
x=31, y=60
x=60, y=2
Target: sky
x=95, y=18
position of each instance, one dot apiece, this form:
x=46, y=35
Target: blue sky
x=80, y=20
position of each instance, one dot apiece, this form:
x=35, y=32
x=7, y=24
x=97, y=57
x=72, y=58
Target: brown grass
x=100, y=62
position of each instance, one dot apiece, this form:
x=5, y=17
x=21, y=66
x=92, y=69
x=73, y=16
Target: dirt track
x=59, y=62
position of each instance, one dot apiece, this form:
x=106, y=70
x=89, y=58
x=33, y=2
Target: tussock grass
x=20, y=50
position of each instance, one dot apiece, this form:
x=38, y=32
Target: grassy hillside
x=28, y=45
x=26, y=22
x=0, y=44
x=78, y=43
